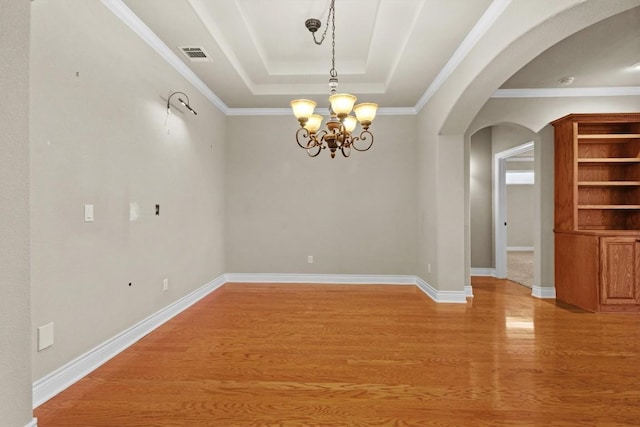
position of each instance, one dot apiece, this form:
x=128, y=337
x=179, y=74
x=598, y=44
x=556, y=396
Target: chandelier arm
x=311, y=153
x=310, y=141
x=363, y=137
x=346, y=150
x=319, y=137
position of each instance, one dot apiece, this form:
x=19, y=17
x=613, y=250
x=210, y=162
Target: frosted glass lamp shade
x=314, y=123
x=366, y=112
x=350, y=123
x=302, y=108
x=342, y=103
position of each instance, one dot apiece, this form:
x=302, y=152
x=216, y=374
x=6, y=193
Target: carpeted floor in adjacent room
x=520, y=267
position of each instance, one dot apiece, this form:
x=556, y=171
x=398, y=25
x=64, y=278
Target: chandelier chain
x=339, y=134
x=333, y=71
x=324, y=34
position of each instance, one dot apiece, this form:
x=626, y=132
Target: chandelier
x=341, y=124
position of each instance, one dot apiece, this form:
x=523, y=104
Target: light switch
x=134, y=211
x=88, y=213
x=45, y=336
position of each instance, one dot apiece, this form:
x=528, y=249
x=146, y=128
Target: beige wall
x=354, y=216
x=15, y=339
x=520, y=215
x=509, y=135
x=480, y=199
x=543, y=273
x=484, y=144
x=520, y=204
x=100, y=135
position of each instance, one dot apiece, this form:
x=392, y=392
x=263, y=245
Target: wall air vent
x=195, y=53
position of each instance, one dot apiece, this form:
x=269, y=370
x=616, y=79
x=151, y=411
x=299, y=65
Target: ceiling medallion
x=338, y=134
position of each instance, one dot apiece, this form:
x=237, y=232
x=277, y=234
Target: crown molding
x=126, y=15
x=260, y=112
x=383, y=111
x=131, y=20
x=567, y=92
x=485, y=22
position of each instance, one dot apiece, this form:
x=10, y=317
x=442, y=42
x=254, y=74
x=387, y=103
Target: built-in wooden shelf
x=610, y=160
x=608, y=183
x=608, y=206
x=597, y=211
x=611, y=136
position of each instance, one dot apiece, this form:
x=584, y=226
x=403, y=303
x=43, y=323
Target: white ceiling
x=387, y=51
x=601, y=55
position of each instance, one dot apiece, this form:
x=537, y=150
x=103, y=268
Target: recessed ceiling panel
x=390, y=50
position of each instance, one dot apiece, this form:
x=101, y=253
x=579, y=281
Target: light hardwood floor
x=328, y=355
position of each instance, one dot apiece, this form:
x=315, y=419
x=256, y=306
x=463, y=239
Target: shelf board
x=609, y=160
x=608, y=183
x=609, y=207
x=608, y=230
x=610, y=136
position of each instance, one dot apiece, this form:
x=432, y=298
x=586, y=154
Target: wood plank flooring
x=329, y=355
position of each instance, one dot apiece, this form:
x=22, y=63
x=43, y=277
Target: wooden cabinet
x=620, y=265
x=597, y=196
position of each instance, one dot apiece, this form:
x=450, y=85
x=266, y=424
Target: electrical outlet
x=428, y=268
x=310, y=259
x=165, y=284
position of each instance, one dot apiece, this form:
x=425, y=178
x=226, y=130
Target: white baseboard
x=483, y=272
x=468, y=291
x=351, y=279
x=545, y=292
x=441, y=296
x=33, y=423
x=53, y=383
x=519, y=248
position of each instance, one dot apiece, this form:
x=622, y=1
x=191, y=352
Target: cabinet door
x=620, y=258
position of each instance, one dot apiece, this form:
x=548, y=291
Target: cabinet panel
x=620, y=266
x=577, y=269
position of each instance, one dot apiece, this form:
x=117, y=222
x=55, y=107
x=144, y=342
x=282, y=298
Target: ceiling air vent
x=195, y=53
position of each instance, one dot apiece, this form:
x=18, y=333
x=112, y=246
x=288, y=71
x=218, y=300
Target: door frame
x=500, y=205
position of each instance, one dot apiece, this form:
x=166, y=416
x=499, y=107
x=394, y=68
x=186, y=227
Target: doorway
x=513, y=234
